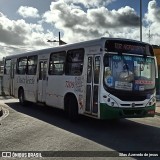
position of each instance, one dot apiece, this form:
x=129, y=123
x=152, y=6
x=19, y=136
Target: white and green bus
x=106, y=78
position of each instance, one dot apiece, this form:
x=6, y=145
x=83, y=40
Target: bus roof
x=100, y=41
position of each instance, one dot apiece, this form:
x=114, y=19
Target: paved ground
x=35, y=128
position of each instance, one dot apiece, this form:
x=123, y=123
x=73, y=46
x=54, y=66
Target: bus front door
x=12, y=78
x=42, y=80
x=92, y=87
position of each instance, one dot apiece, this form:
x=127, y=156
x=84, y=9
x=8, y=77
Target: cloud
x=10, y=31
x=152, y=18
x=20, y=36
x=26, y=12
x=89, y=3
x=153, y=14
x=94, y=22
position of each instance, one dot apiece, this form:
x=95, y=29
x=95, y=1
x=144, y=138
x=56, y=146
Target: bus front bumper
x=107, y=112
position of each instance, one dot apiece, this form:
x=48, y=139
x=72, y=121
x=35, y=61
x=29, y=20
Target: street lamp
x=52, y=41
x=60, y=41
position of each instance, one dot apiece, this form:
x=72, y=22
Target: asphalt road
x=41, y=128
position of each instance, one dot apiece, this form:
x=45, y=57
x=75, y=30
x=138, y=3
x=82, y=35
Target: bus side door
x=12, y=78
x=42, y=80
x=92, y=87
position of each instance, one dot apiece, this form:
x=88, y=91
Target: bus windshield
x=129, y=72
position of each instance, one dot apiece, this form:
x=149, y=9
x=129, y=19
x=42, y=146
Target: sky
x=26, y=25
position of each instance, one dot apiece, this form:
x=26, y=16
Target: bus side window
x=89, y=70
x=21, y=65
x=32, y=65
x=74, y=63
x=56, y=63
x=96, y=69
x=44, y=70
x=40, y=70
x=7, y=66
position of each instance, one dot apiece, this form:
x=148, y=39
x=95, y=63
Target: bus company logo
x=133, y=105
x=6, y=154
x=27, y=80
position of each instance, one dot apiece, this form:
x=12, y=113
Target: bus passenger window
x=52, y=69
x=21, y=65
x=96, y=69
x=89, y=70
x=56, y=64
x=7, y=67
x=74, y=64
x=44, y=70
x=40, y=70
x=32, y=65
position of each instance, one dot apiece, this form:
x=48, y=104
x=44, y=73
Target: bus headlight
x=151, y=102
x=110, y=102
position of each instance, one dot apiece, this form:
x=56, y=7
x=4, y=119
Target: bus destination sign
x=128, y=47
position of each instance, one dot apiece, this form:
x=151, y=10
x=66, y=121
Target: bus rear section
x=128, y=80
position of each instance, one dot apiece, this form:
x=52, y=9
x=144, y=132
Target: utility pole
x=141, y=20
x=60, y=41
x=149, y=35
x=59, y=38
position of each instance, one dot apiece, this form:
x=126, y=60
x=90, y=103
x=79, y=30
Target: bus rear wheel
x=72, y=108
x=21, y=97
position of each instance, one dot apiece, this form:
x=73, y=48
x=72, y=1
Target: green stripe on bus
x=107, y=112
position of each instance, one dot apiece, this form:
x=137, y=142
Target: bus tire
x=21, y=97
x=72, y=108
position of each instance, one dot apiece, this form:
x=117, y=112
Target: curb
x=1, y=111
x=156, y=113
x=4, y=112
